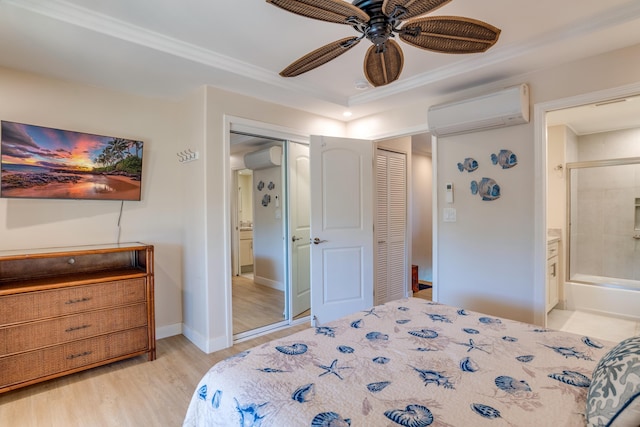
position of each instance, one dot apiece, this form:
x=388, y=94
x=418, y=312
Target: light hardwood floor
x=130, y=393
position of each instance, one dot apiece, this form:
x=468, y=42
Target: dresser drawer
x=52, y=361
x=92, y=350
x=28, y=306
x=34, y=335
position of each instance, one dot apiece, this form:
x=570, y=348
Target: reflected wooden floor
x=424, y=293
x=255, y=305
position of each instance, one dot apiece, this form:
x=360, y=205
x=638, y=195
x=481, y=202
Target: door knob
x=317, y=241
x=294, y=238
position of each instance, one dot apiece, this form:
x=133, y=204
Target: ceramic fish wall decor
x=505, y=158
x=487, y=188
x=468, y=165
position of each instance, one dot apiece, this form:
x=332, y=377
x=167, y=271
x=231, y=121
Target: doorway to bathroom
x=593, y=210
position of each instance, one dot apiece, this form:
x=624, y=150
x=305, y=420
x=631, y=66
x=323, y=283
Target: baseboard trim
x=268, y=282
x=168, y=331
x=196, y=338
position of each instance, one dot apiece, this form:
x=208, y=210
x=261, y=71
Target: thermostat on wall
x=448, y=192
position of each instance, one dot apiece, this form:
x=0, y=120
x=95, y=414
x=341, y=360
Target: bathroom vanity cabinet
x=246, y=248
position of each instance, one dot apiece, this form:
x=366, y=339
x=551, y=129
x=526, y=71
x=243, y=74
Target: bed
x=417, y=363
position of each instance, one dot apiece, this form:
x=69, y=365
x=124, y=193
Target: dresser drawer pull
x=74, y=301
x=76, y=328
x=84, y=353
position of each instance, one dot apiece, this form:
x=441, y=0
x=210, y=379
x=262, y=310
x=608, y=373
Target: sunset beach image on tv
x=46, y=163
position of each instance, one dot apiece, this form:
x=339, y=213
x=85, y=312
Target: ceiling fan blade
x=338, y=11
x=319, y=56
x=450, y=34
x=383, y=67
x=406, y=9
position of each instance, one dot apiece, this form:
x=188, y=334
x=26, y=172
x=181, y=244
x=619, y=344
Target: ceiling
x=166, y=48
x=605, y=116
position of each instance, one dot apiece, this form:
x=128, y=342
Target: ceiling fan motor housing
x=379, y=28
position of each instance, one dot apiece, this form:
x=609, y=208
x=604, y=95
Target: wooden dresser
x=64, y=310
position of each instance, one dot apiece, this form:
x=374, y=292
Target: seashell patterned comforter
x=411, y=363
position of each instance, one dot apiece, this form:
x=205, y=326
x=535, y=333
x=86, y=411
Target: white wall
x=559, y=140
x=245, y=183
x=479, y=237
x=194, y=301
x=157, y=219
x=268, y=230
x=484, y=255
x=422, y=215
x=556, y=182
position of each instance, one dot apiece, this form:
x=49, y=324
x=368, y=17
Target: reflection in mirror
x=259, y=255
x=258, y=286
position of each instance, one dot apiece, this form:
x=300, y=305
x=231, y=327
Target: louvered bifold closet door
x=391, y=226
x=381, y=227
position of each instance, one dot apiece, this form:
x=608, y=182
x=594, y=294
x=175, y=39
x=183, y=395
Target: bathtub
x=603, y=295
x=606, y=281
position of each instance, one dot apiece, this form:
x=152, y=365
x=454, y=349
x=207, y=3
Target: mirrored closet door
x=270, y=281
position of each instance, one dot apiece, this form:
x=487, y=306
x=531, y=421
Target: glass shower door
x=604, y=222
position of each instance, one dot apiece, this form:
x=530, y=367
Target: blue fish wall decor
x=468, y=165
x=487, y=188
x=505, y=158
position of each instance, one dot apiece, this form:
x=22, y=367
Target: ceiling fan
x=380, y=21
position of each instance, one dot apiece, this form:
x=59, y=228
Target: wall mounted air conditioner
x=506, y=107
x=265, y=158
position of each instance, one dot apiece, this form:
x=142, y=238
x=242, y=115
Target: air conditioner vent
x=506, y=107
x=265, y=158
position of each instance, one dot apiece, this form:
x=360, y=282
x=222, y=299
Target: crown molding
x=82, y=17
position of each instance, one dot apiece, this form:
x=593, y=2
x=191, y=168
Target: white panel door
x=391, y=226
x=341, y=226
x=299, y=227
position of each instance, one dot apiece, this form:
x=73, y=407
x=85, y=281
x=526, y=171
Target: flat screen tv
x=44, y=163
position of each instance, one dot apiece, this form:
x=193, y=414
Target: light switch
x=449, y=215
